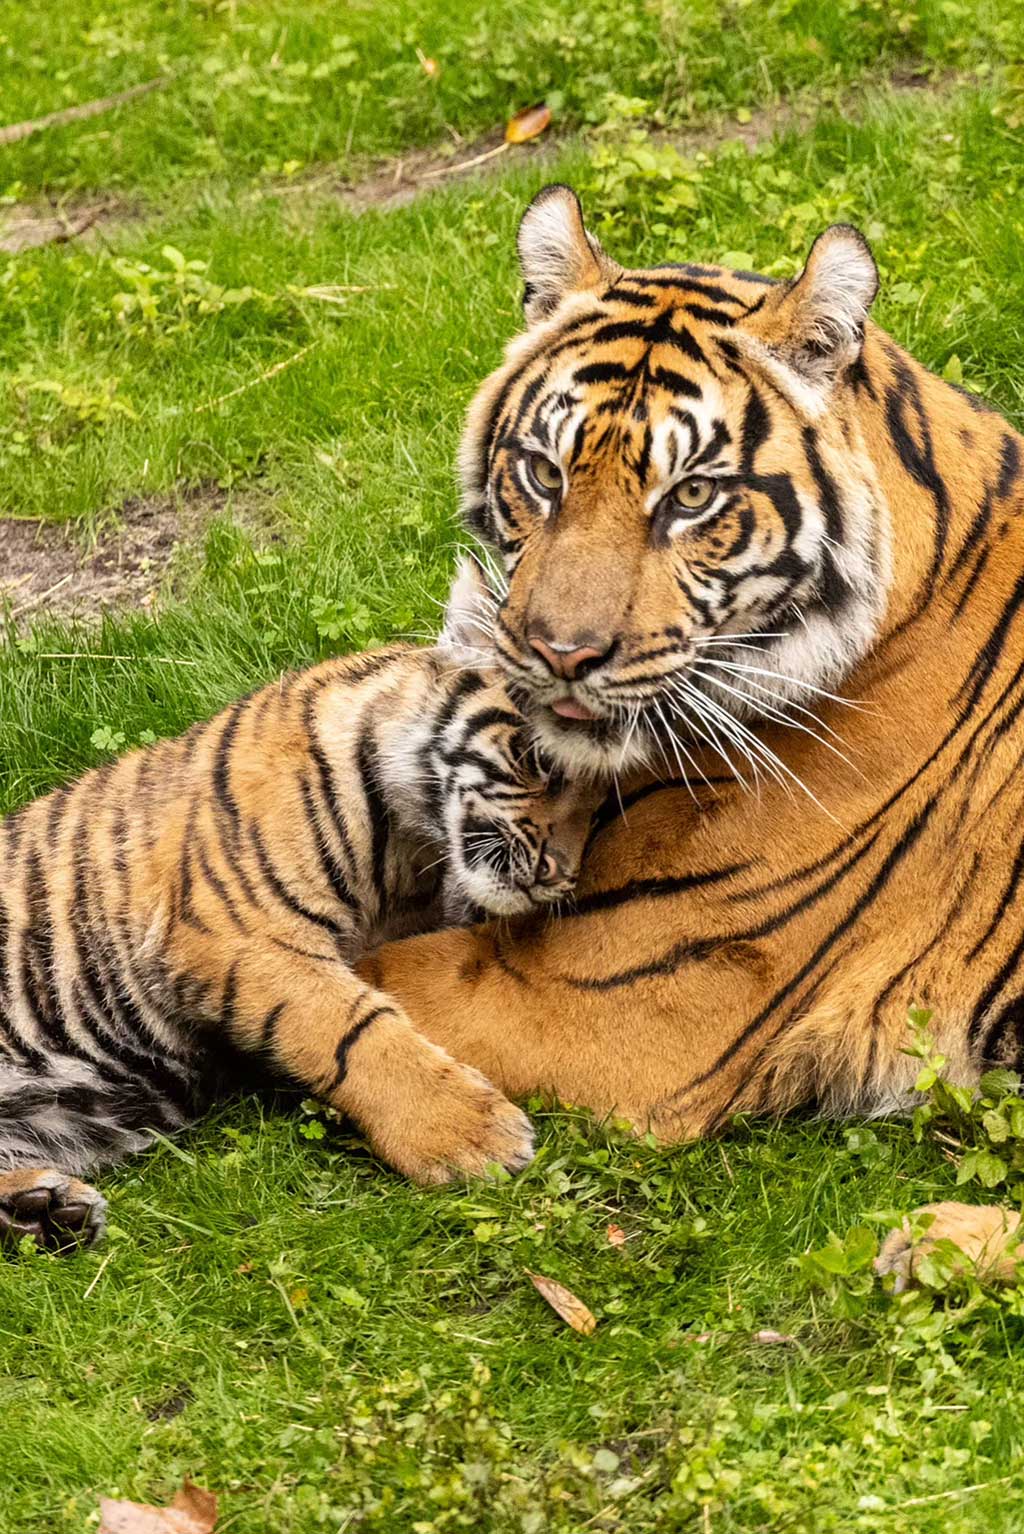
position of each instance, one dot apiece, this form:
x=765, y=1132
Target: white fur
x=465, y=639
x=826, y=307
x=556, y=253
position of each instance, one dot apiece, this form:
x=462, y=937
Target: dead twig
x=252, y=383
x=956, y=1491
x=98, y=1275
x=15, y=132
x=161, y=660
x=478, y=159
x=35, y=602
x=27, y=231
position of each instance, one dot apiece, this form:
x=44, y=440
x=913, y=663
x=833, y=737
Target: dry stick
x=99, y=1275
x=72, y=228
x=957, y=1491
x=279, y=367
x=57, y=231
x=451, y=170
x=18, y=131
x=160, y=660
x=27, y=606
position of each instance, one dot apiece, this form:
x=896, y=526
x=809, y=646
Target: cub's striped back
x=218, y=888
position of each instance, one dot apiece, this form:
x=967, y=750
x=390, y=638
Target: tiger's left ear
x=814, y=325
x=557, y=254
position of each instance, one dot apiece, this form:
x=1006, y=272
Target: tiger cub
x=218, y=888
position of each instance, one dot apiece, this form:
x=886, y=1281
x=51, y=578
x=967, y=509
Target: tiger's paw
x=59, y=1212
x=455, y=1124
x=986, y=1234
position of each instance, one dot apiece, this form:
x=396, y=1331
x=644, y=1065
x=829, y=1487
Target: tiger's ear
x=814, y=325
x=557, y=255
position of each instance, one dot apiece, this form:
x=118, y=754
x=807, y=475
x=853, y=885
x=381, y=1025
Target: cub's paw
x=986, y=1234
x=453, y=1124
x=59, y=1212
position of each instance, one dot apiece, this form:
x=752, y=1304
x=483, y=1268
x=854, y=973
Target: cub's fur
x=217, y=889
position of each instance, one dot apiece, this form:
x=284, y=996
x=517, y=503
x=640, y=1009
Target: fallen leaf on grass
x=564, y=1303
x=767, y=1335
x=616, y=1235
x=527, y=124
x=193, y=1511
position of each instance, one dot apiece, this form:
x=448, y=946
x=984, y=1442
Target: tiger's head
x=685, y=524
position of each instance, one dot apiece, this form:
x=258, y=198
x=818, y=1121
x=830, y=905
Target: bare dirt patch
x=49, y=569
x=422, y=170
x=26, y=226
x=399, y=181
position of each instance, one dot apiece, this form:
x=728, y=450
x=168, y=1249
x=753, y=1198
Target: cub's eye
x=692, y=494
x=545, y=475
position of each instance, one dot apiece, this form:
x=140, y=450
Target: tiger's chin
x=587, y=748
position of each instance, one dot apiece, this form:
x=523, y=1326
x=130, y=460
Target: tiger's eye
x=546, y=476
x=693, y=494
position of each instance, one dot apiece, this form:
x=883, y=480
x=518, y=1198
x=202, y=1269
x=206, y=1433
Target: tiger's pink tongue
x=568, y=708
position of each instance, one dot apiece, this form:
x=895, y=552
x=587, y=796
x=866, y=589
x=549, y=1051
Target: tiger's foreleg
x=352, y=1045
x=502, y=1000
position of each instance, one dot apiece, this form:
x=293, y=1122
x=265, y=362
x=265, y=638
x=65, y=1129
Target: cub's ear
x=814, y=325
x=557, y=255
x=469, y=616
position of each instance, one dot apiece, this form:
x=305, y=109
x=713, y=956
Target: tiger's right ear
x=557, y=255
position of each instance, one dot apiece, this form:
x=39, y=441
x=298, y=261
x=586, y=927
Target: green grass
x=259, y=85
x=283, y=1320
x=277, y=1316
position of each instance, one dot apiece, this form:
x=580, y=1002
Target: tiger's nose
x=568, y=660
x=549, y=870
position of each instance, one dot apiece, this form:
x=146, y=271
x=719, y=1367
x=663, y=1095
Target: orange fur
x=735, y=951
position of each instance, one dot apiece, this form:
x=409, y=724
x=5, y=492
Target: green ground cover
x=278, y=1317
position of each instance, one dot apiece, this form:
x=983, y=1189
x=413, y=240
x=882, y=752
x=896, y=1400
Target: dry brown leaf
x=564, y=1303
x=193, y=1511
x=527, y=124
x=616, y=1235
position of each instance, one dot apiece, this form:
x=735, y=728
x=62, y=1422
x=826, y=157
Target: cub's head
x=512, y=852
x=684, y=526
x=514, y=828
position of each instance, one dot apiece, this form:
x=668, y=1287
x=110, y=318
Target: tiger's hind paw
x=986, y=1234
x=60, y=1213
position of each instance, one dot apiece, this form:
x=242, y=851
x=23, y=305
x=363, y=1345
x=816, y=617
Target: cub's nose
x=568, y=660
x=549, y=870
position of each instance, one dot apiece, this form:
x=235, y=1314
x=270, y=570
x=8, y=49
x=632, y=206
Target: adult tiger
x=668, y=460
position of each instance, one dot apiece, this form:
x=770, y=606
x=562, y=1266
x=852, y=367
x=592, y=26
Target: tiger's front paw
x=986, y=1234
x=59, y=1212
x=452, y=1123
